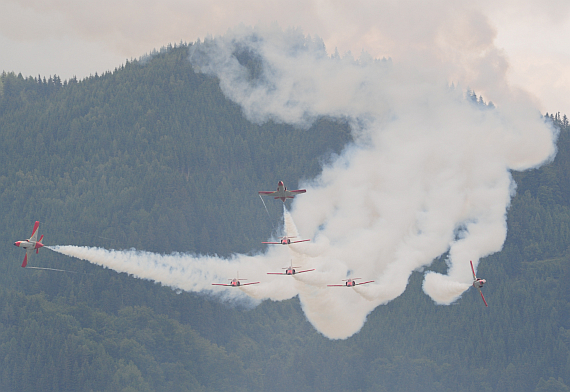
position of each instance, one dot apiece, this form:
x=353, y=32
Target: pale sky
x=79, y=37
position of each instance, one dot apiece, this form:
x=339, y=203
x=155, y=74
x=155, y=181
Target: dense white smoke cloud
x=428, y=172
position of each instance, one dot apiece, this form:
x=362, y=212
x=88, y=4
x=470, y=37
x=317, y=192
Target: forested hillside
x=153, y=157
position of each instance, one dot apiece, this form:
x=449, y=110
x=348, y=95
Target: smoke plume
x=428, y=171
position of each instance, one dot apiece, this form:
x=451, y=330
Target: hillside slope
x=153, y=157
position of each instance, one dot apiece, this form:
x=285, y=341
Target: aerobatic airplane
x=290, y=270
x=285, y=241
x=478, y=283
x=31, y=244
x=282, y=192
x=349, y=283
x=235, y=282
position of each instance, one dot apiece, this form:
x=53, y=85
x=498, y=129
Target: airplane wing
x=473, y=270
x=34, y=236
x=336, y=285
x=291, y=194
x=358, y=284
x=245, y=284
x=29, y=252
x=276, y=273
x=480, y=292
x=294, y=242
x=220, y=284
x=300, y=272
x=280, y=243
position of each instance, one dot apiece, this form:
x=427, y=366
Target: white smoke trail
x=193, y=273
x=428, y=173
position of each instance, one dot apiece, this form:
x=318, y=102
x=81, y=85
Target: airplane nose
x=280, y=183
x=17, y=243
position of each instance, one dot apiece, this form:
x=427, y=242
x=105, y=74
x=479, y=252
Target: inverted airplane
x=349, y=283
x=235, y=282
x=31, y=244
x=478, y=283
x=290, y=270
x=282, y=192
x=285, y=241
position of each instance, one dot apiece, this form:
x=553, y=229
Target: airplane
x=30, y=244
x=349, y=283
x=285, y=241
x=290, y=270
x=282, y=192
x=478, y=283
x=235, y=282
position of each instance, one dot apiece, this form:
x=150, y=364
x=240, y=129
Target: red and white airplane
x=285, y=241
x=478, y=283
x=290, y=270
x=235, y=282
x=31, y=244
x=282, y=192
x=349, y=283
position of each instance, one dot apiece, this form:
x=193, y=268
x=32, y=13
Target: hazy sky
x=79, y=37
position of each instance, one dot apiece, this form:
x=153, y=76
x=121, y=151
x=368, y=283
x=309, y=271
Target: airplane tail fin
x=40, y=242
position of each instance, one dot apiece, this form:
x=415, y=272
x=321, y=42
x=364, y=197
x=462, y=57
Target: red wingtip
x=472, y=269
x=25, y=263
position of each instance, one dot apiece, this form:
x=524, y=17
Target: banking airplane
x=285, y=241
x=478, y=283
x=349, y=283
x=290, y=270
x=235, y=282
x=282, y=192
x=31, y=244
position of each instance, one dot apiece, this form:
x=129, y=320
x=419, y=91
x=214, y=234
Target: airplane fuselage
x=290, y=271
x=282, y=192
x=27, y=244
x=478, y=283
